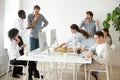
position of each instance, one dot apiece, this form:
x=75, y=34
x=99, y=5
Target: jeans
x=95, y=72
x=34, y=43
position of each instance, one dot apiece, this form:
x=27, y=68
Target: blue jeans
x=95, y=72
x=34, y=43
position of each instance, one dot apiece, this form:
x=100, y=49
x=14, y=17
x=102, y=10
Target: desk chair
x=113, y=51
x=12, y=66
x=101, y=70
x=105, y=70
x=107, y=66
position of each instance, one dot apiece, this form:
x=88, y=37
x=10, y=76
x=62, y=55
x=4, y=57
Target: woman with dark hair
x=15, y=50
x=76, y=28
x=79, y=36
x=107, y=36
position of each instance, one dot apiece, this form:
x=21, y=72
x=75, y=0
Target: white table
x=56, y=57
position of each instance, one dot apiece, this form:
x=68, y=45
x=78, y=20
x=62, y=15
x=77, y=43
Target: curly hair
x=12, y=33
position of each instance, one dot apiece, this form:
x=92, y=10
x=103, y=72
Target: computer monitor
x=53, y=39
x=42, y=41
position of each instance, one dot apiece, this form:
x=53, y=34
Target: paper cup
x=26, y=53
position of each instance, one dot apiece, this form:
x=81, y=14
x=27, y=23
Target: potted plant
x=113, y=18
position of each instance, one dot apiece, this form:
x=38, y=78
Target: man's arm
x=32, y=23
x=97, y=25
x=82, y=23
x=45, y=22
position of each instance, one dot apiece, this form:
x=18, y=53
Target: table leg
x=44, y=68
x=85, y=72
x=40, y=69
x=48, y=71
x=74, y=73
x=55, y=64
x=27, y=72
x=61, y=71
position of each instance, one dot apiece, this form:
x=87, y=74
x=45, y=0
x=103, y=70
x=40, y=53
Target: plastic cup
x=26, y=53
x=83, y=48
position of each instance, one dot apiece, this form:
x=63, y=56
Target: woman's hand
x=17, y=40
x=61, y=45
x=89, y=55
x=23, y=46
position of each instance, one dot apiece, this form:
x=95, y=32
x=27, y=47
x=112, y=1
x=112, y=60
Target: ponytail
x=83, y=32
x=106, y=30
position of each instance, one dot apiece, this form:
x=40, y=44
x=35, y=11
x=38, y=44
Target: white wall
x=1, y=24
x=62, y=13
x=10, y=17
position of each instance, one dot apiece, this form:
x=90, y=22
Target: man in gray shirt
x=89, y=24
x=35, y=20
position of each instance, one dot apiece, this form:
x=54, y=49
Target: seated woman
x=80, y=36
x=99, y=53
x=15, y=50
x=107, y=36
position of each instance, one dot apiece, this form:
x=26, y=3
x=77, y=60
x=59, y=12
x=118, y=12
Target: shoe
x=15, y=76
x=30, y=78
x=41, y=76
x=21, y=73
x=95, y=76
x=36, y=74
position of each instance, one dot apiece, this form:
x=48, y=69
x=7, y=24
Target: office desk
x=55, y=57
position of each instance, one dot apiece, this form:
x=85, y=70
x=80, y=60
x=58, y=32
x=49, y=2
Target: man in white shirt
x=19, y=23
x=15, y=50
x=20, y=27
x=99, y=53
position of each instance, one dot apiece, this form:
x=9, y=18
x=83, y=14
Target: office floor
x=68, y=75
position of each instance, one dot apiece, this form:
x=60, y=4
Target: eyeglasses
x=96, y=37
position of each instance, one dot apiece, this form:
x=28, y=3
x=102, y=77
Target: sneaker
x=95, y=76
x=21, y=73
x=15, y=76
x=36, y=74
x=30, y=78
x=41, y=76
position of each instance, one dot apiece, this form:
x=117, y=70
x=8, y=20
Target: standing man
x=35, y=20
x=89, y=24
x=19, y=25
